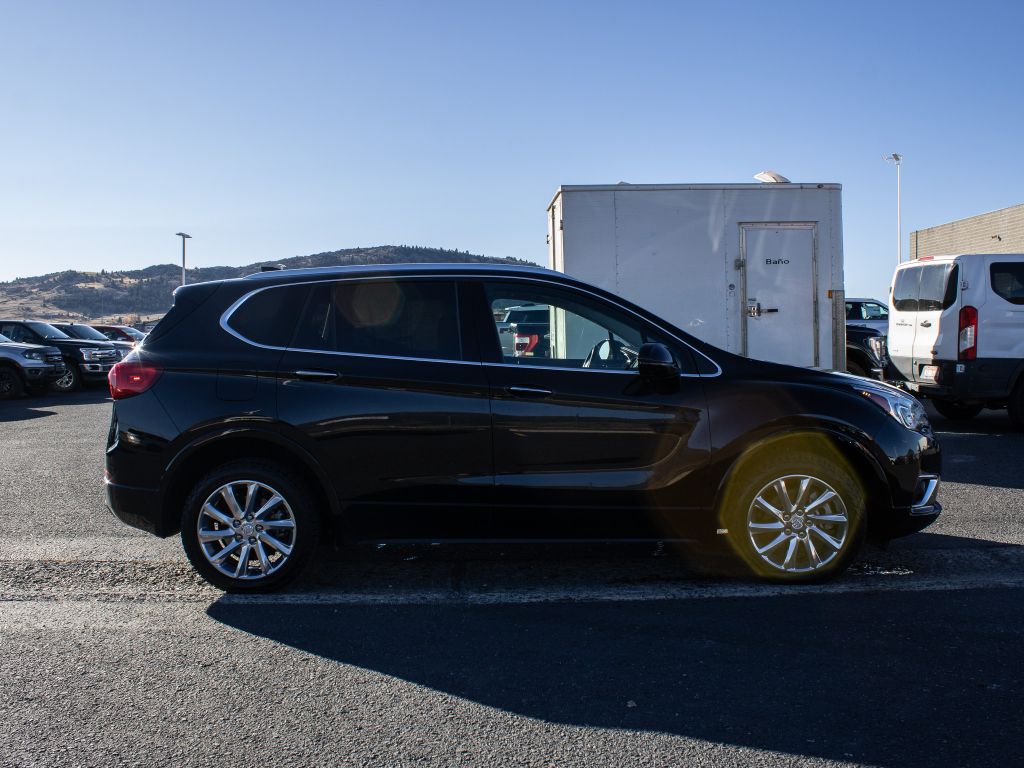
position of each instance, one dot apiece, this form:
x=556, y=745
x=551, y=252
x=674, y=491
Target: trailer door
x=780, y=322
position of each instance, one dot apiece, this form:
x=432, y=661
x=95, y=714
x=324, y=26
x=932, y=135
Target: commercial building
x=999, y=231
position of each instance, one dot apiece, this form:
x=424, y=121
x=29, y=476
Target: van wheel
x=249, y=526
x=956, y=411
x=1015, y=406
x=797, y=518
x=11, y=385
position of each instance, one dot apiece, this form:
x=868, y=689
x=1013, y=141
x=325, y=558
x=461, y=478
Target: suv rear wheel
x=795, y=517
x=249, y=526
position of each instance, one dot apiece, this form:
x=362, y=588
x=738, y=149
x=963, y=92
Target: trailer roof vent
x=771, y=177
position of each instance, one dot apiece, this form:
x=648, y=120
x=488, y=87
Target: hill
x=141, y=294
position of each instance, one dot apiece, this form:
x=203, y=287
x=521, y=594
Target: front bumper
x=95, y=371
x=44, y=374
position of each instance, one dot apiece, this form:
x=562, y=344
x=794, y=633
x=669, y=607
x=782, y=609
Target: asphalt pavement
x=112, y=652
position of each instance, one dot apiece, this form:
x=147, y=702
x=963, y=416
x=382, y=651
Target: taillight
x=524, y=344
x=132, y=376
x=967, y=349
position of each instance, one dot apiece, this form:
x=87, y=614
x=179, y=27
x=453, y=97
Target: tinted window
x=1008, y=281
x=926, y=288
x=82, y=332
x=906, y=289
x=47, y=331
x=397, y=318
x=269, y=317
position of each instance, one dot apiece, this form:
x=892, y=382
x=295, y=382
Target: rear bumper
x=137, y=507
x=978, y=380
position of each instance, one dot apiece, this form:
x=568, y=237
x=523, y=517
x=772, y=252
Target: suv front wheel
x=795, y=517
x=249, y=526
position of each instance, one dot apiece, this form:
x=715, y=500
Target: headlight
x=905, y=409
x=877, y=345
x=89, y=354
x=34, y=354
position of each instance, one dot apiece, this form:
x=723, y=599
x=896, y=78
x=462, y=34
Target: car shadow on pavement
x=893, y=678
x=39, y=406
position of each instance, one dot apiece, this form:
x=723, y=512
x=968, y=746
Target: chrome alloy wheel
x=246, y=529
x=798, y=524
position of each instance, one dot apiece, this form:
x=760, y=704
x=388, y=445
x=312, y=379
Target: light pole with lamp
x=895, y=158
x=183, y=237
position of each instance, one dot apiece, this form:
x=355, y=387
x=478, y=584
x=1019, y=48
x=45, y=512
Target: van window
x=1008, y=281
x=393, y=318
x=926, y=288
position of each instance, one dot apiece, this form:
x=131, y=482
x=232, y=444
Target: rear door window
x=1008, y=281
x=926, y=288
x=392, y=318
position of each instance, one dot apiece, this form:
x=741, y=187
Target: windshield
x=85, y=332
x=534, y=315
x=137, y=335
x=47, y=331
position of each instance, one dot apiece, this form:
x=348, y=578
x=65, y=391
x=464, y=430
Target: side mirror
x=656, y=362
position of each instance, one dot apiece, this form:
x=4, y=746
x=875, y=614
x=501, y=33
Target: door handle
x=926, y=324
x=315, y=375
x=528, y=391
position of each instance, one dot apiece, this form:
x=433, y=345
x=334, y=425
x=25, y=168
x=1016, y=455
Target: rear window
x=926, y=288
x=1008, y=281
x=269, y=317
x=394, y=318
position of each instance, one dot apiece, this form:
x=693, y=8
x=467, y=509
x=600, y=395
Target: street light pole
x=183, y=237
x=897, y=159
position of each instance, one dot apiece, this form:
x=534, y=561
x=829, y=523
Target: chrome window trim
x=226, y=316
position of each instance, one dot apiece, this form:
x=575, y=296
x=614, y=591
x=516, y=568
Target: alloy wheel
x=798, y=524
x=246, y=530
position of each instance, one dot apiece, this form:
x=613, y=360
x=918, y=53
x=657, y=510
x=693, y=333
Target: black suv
x=86, y=361
x=378, y=402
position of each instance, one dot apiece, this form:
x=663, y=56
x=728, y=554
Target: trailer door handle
x=315, y=375
x=535, y=392
x=926, y=324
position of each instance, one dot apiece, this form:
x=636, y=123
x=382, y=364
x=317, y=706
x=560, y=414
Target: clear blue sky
x=269, y=130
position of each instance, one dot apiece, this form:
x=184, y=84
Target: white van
x=956, y=331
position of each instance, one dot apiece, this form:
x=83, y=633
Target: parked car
x=377, y=401
x=27, y=366
x=120, y=333
x=514, y=315
x=869, y=313
x=85, y=361
x=87, y=332
x=956, y=332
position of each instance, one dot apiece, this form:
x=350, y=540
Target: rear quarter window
x=1008, y=281
x=269, y=317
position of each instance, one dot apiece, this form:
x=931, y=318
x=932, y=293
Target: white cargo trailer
x=756, y=269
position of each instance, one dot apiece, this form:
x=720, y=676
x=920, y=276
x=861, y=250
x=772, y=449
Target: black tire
x=11, y=385
x=855, y=368
x=70, y=381
x=955, y=411
x=754, y=476
x=298, y=501
x=1015, y=405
